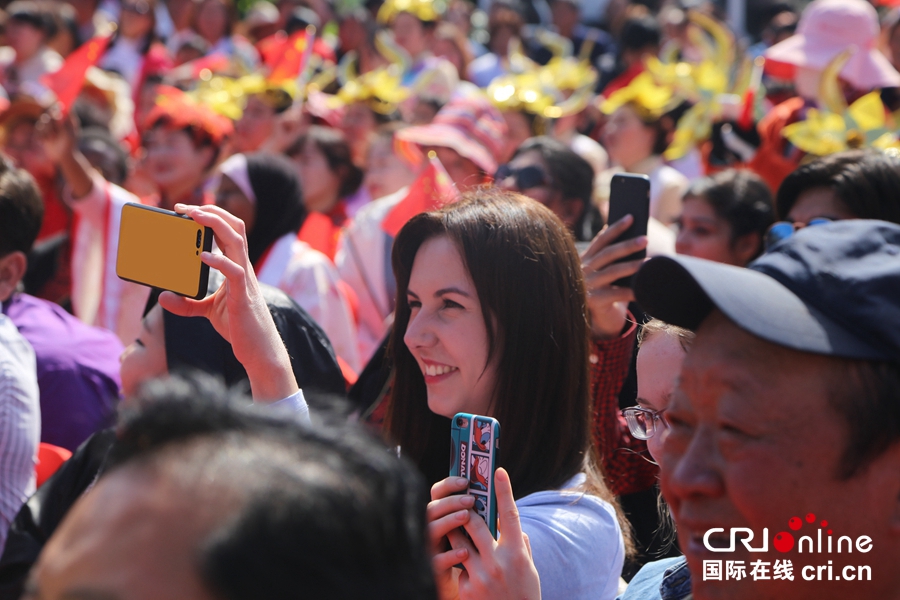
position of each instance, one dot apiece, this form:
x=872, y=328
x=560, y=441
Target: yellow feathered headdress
x=379, y=89
x=650, y=99
x=840, y=127
x=708, y=85
x=424, y=10
x=228, y=97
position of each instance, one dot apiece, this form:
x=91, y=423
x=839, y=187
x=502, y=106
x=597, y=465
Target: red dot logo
x=829, y=532
x=824, y=523
x=795, y=523
x=783, y=541
x=810, y=518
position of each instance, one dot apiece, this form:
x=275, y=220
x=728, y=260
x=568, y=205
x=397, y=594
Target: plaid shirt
x=625, y=461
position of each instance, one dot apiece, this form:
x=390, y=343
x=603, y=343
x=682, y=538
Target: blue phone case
x=475, y=442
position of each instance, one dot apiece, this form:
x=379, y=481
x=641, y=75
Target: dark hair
x=741, y=198
x=64, y=19
x=279, y=201
x=97, y=139
x=35, y=14
x=21, y=209
x=326, y=510
x=867, y=395
x=865, y=181
x=665, y=127
x=505, y=14
x=640, y=32
x=301, y=18
x=151, y=36
x=573, y=176
x=523, y=263
x=333, y=144
x=192, y=344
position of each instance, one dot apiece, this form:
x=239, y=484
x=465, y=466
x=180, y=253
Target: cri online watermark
x=736, y=570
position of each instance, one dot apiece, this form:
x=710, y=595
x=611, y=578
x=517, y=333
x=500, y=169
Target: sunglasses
x=525, y=178
x=138, y=8
x=782, y=230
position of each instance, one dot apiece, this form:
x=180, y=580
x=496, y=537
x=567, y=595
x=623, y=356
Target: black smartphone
x=629, y=194
x=162, y=249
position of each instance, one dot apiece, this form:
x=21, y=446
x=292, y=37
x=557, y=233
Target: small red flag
x=293, y=58
x=271, y=48
x=68, y=81
x=215, y=63
x=320, y=233
x=432, y=190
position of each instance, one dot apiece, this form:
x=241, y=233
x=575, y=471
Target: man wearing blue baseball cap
x=786, y=417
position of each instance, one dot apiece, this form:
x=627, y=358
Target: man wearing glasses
x=787, y=406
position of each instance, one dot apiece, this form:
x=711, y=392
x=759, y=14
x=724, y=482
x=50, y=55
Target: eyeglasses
x=643, y=422
x=526, y=177
x=782, y=230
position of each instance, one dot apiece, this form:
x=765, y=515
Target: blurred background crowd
x=325, y=125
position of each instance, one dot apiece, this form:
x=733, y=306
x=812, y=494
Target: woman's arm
x=623, y=458
x=237, y=309
x=58, y=137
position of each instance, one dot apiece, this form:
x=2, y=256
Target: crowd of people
x=410, y=204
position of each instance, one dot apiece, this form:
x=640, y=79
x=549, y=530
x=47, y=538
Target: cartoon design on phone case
x=481, y=505
x=480, y=473
x=474, y=447
x=483, y=435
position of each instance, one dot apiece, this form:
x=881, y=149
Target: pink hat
x=470, y=125
x=827, y=28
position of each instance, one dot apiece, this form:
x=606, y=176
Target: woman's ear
x=571, y=210
x=12, y=270
x=668, y=126
x=208, y=157
x=746, y=247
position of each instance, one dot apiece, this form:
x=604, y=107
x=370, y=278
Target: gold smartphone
x=162, y=249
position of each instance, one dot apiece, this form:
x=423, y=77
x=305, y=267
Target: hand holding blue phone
x=501, y=568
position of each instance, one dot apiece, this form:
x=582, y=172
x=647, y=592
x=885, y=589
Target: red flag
x=68, y=81
x=432, y=190
x=320, y=233
x=271, y=48
x=293, y=58
x=215, y=63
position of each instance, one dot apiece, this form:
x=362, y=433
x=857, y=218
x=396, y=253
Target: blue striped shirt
x=20, y=423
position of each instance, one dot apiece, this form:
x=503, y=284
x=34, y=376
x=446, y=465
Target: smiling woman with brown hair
x=491, y=319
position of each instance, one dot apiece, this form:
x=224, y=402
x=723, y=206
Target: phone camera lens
x=199, y=237
x=460, y=422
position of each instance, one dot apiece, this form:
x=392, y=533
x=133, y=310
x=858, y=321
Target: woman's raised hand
x=608, y=304
x=493, y=568
x=237, y=310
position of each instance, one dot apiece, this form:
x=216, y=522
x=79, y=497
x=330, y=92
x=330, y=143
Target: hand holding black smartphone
x=629, y=194
x=160, y=248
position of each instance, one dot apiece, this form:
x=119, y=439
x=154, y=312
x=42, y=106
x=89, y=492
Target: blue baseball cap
x=831, y=289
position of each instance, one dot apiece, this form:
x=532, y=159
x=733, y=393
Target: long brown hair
x=523, y=263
